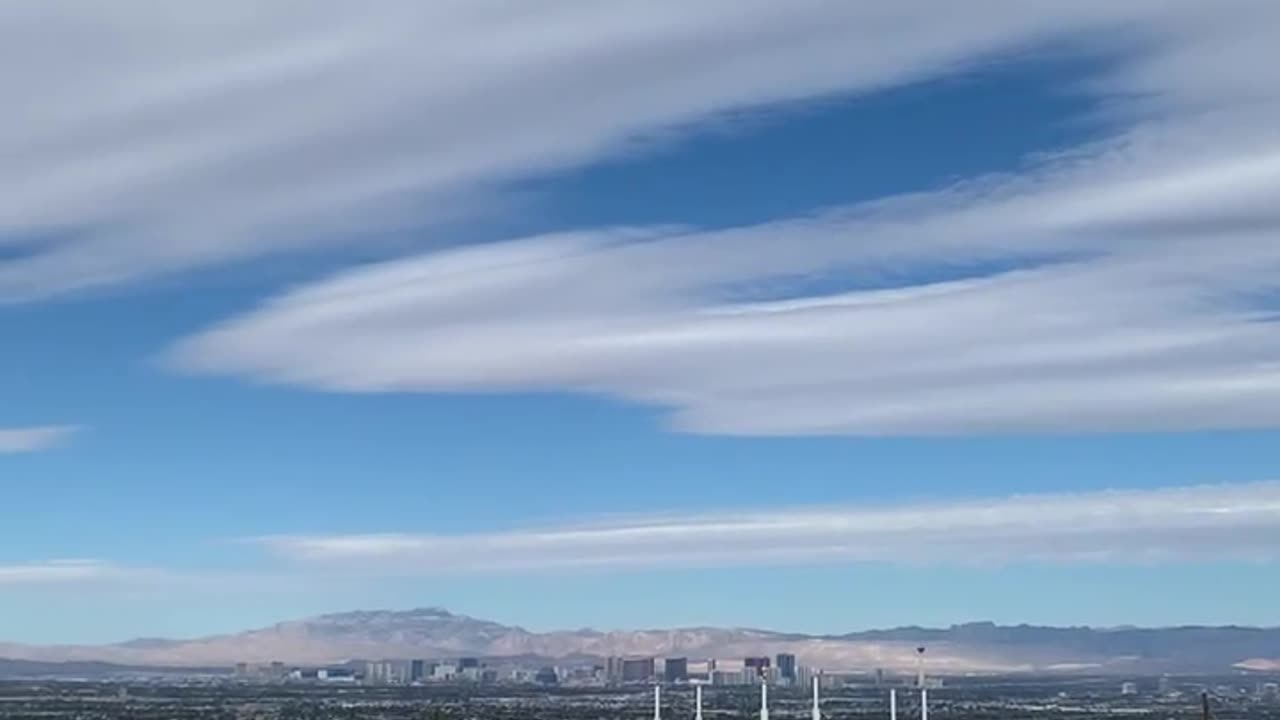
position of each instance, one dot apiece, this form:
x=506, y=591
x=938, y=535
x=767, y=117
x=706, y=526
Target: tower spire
x=920, y=667
x=924, y=691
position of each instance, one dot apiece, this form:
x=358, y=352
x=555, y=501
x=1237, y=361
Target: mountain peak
x=433, y=611
x=421, y=613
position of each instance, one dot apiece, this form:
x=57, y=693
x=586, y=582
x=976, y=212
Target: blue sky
x=818, y=320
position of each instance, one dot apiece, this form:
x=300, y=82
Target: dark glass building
x=756, y=665
x=787, y=667
x=639, y=670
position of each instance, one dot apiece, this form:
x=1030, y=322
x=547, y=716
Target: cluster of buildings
x=400, y=672
x=278, y=672
x=616, y=671
x=1166, y=688
x=780, y=670
x=407, y=672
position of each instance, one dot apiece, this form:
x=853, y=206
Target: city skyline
x=403, y=646
x=820, y=317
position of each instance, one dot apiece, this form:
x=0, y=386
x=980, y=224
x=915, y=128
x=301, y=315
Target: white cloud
x=169, y=139
x=1166, y=525
x=60, y=571
x=1125, y=286
x=34, y=439
x=1169, y=525
x=76, y=574
x=1114, y=322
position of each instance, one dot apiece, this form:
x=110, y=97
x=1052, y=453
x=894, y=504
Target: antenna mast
x=817, y=712
x=764, y=700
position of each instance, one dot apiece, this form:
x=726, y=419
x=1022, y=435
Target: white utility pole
x=817, y=712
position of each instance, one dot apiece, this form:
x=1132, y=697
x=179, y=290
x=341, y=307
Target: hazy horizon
x=515, y=623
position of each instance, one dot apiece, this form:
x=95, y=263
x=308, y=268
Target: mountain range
x=437, y=633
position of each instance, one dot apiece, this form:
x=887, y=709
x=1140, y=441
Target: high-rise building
x=676, y=669
x=1129, y=688
x=381, y=673
x=637, y=670
x=755, y=666
x=468, y=662
x=613, y=670
x=417, y=670
x=787, y=667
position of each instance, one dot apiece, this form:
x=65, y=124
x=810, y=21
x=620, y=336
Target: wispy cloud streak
x=1239, y=522
x=60, y=572
x=34, y=439
x=1133, y=303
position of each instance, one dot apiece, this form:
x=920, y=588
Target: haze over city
x=806, y=317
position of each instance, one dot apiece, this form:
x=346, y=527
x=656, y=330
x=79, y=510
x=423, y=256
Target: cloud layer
x=34, y=439
x=1074, y=300
x=176, y=140
x=1211, y=523
x=1124, y=286
x=1240, y=522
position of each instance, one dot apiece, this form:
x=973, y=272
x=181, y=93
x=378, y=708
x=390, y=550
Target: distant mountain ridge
x=434, y=632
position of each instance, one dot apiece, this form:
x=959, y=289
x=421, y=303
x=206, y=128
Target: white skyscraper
x=764, y=701
x=657, y=702
x=697, y=692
